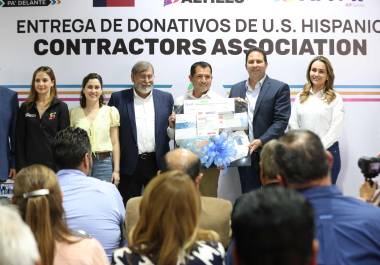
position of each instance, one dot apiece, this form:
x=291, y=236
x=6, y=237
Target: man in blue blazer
x=144, y=114
x=8, y=113
x=268, y=111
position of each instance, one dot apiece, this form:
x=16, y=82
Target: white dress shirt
x=189, y=96
x=316, y=115
x=251, y=97
x=144, y=115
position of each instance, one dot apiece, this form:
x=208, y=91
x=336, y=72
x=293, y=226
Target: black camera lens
x=370, y=166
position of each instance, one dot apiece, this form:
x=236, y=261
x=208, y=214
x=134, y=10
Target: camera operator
x=370, y=167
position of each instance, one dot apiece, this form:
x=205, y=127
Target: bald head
x=301, y=157
x=183, y=160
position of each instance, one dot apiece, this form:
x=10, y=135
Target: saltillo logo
x=168, y=2
x=120, y=3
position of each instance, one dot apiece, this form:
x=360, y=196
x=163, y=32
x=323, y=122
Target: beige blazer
x=215, y=215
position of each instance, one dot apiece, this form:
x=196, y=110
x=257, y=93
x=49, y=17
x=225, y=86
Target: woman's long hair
x=169, y=218
x=329, y=84
x=32, y=97
x=44, y=213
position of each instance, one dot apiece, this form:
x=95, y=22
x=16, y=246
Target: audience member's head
x=169, y=218
x=72, y=149
x=185, y=161
x=273, y=226
x=39, y=199
x=269, y=172
x=17, y=244
x=302, y=159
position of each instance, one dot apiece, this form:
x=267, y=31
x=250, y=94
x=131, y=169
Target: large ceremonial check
x=215, y=130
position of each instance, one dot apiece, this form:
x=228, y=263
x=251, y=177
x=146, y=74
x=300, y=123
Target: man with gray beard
x=144, y=114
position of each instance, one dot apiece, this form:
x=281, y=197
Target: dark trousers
x=250, y=176
x=131, y=185
x=334, y=150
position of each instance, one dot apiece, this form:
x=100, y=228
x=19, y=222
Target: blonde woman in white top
x=102, y=125
x=319, y=108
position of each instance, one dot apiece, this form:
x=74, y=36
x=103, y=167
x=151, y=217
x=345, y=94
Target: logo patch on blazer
x=30, y=115
x=52, y=116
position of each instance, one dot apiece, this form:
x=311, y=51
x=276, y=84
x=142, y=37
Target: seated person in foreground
x=17, y=243
x=348, y=230
x=215, y=212
x=39, y=199
x=167, y=231
x=90, y=204
x=273, y=226
x=269, y=173
x=269, y=177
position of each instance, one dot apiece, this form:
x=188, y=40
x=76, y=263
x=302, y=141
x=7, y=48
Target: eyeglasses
x=144, y=77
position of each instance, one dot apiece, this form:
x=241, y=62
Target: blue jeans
x=102, y=168
x=335, y=169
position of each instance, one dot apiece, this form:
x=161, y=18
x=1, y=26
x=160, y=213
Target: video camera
x=370, y=166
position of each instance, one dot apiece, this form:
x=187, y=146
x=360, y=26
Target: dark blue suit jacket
x=8, y=113
x=124, y=102
x=272, y=110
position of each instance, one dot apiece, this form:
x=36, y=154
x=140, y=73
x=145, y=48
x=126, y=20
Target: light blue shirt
x=93, y=206
x=348, y=230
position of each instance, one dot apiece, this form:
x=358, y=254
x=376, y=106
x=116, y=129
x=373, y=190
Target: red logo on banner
x=103, y=3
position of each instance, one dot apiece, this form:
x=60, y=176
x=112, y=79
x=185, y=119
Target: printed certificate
x=209, y=105
x=185, y=126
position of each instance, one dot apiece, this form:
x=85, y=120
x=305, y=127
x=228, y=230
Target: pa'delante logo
x=23, y=3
